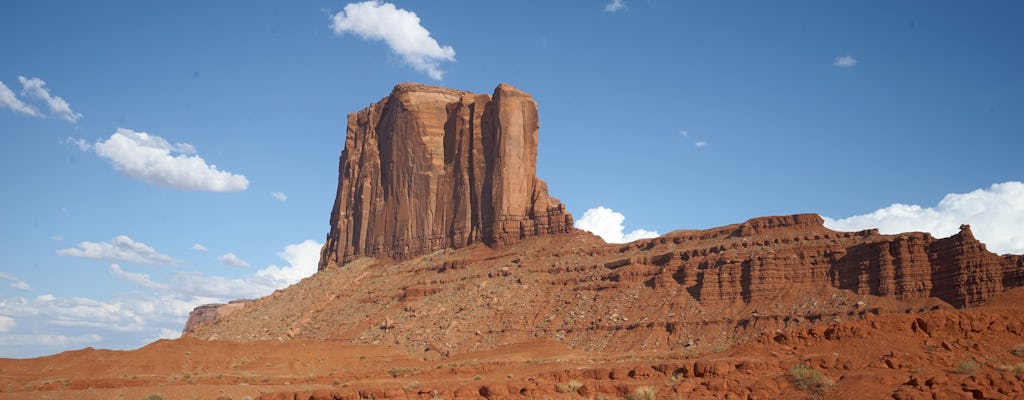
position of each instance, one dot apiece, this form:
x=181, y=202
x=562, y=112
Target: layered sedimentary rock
x=428, y=168
x=701, y=288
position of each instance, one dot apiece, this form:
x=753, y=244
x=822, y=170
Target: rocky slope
x=429, y=168
x=684, y=290
x=976, y=353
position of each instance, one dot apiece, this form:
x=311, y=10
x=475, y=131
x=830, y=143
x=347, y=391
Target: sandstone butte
x=449, y=272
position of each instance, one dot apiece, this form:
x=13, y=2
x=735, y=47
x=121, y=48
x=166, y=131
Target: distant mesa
x=429, y=168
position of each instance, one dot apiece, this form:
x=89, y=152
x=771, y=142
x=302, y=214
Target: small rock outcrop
x=429, y=168
x=208, y=313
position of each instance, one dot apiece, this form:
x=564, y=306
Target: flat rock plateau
x=450, y=272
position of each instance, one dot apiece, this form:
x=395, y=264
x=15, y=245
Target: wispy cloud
x=616, y=6
x=279, y=196
x=996, y=215
x=138, y=317
x=400, y=29
x=141, y=280
x=153, y=159
x=10, y=100
x=607, y=224
x=701, y=143
x=121, y=248
x=35, y=87
x=15, y=282
x=198, y=247
x=844, y=61
x=231, y=260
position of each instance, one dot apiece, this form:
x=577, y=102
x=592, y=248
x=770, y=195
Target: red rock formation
x=682, y=290
x=429, y=168
x=208, y=313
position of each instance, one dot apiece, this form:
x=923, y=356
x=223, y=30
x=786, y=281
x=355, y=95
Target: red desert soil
x=931, y=354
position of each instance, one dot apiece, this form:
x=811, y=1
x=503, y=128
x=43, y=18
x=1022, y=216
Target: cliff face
x=429, y=168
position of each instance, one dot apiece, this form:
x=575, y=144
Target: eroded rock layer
x=429, y=168
x=684, y=290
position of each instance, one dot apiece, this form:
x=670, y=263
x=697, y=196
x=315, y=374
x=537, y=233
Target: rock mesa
x=429, y=168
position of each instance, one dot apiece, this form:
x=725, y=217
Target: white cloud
x=15, y=282
x=36, y=87
x=303, y=259
x=79, y=143
x=48, y=323
x=701, y=143
x=121, y=248
x=400, y=29
x=607, y=224
x=616, y=6
x=996, y=216
x=45, y=339
x=56, y=238
x=232, y=260
x=685, y=133
x=151, y=159
x=169, y=334
x=7, y=324
x=844, y=61
x=9, y=100
x=279, y=196
x=141, y=280
x=199, y=247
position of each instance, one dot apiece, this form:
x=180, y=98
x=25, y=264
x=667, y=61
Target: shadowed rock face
x=429, y=168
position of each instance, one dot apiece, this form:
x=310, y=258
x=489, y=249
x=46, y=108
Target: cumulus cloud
x=232, y=260
x=121, y=248
x=10, y=100
x=996, y=215
x=701, y=143
x=199, y=247
x=616, y=6
x=7, y=324
x=844, y=61
x=279, y=196
x=607, y=224
x=400, y=29
x=153, y=159
x=141, y=280
x=35, y=87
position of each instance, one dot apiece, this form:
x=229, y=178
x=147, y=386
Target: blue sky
x=134, y=131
